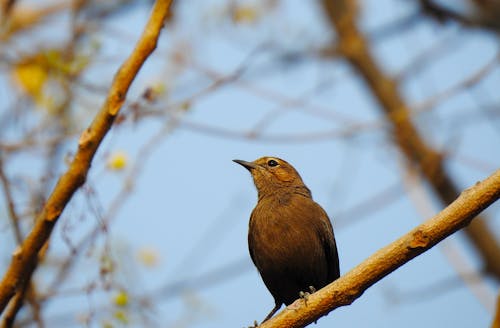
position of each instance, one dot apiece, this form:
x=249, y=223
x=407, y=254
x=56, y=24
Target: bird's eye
x=272, y=163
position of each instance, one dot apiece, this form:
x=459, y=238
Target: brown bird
x=290, y=237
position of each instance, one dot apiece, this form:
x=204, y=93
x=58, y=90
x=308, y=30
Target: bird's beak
x=248, y=165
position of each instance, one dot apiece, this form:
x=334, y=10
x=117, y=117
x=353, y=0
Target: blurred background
x=388, y=109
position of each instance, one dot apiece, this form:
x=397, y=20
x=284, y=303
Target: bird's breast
x=284, y=227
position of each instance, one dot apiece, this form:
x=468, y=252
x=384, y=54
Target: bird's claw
x=304, y=296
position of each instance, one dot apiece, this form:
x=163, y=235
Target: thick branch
x=24, y=257
x=355, y=48
x=496, y=319
x=353, y=284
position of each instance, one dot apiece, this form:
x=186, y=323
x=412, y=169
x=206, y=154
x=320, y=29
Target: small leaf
x=121, y=316
x=31, y=76
x=121, y=299
x=117, y=161
x=148, y=256
x=245, y=14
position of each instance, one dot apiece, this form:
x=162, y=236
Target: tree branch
x=9, y=200
x=443, y=14
x=496, y=319
x=354, y=46
x=353, y=284
x=24, y=257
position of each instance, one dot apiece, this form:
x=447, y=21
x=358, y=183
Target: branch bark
x=353, y=284
x=354, y=46
x=24, y=256
x=496, y=319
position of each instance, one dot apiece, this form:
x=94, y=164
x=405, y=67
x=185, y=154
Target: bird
x=290, y=237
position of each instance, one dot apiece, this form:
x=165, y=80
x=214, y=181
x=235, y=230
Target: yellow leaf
x=31, y=77
x=117, y=161
x=148, y=256
x=245, y=14
x=107, y=324
x=121, y=299
x=121, y=316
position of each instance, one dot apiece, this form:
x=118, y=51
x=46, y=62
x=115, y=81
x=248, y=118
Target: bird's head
x=272, y=173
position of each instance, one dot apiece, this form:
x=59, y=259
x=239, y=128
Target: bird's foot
x=304, y=296
x=255, y=324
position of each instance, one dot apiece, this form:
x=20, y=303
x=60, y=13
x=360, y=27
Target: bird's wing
x=251, y=242
x=330, y=247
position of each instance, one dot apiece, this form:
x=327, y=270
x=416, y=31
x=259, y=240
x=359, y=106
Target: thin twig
x=14, y=218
